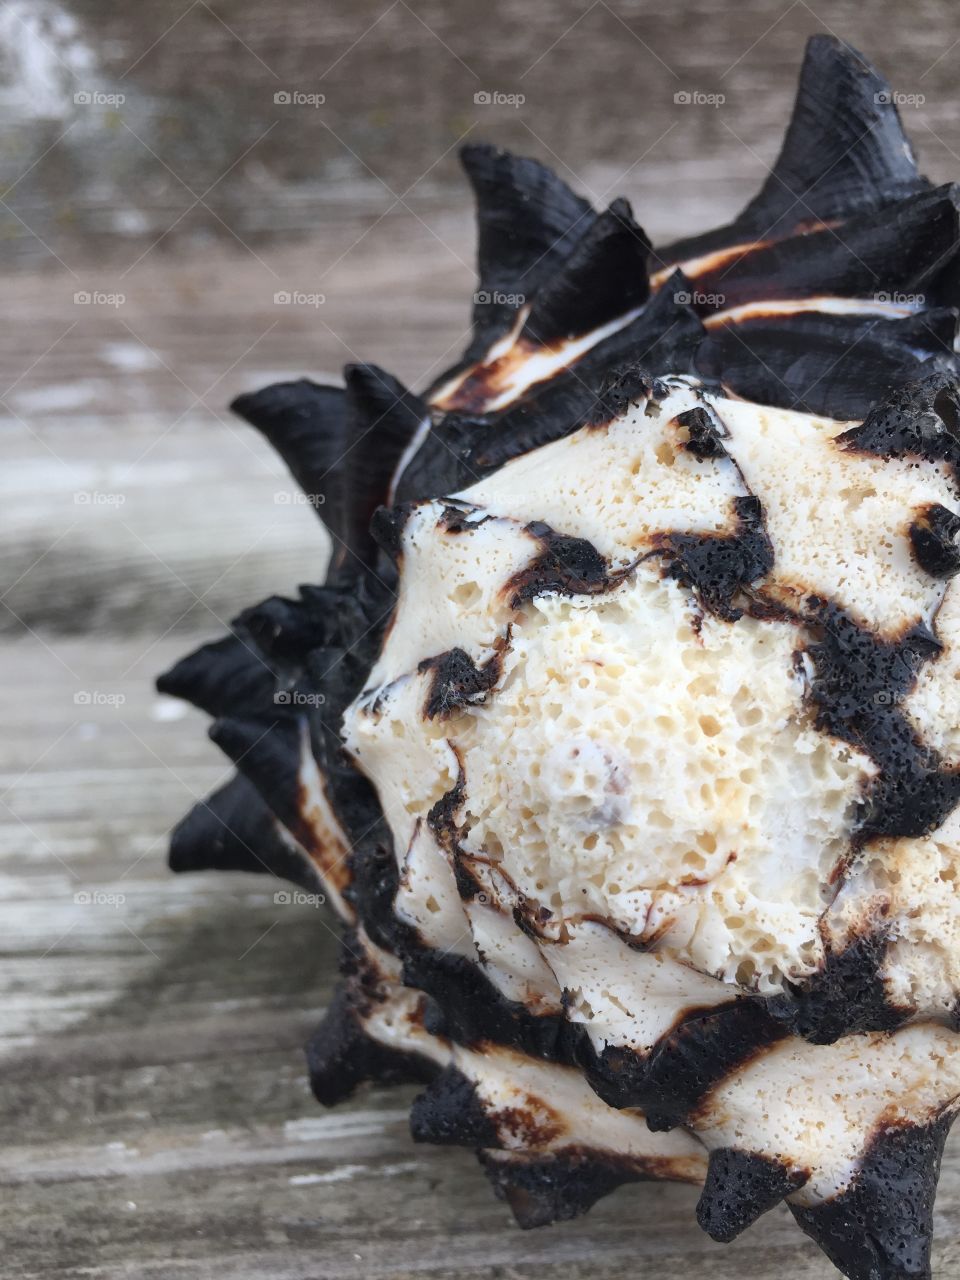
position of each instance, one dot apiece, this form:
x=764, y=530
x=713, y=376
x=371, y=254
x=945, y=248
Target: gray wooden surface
x=155, y=1115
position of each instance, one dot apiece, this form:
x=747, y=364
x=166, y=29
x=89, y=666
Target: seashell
x=623, y=734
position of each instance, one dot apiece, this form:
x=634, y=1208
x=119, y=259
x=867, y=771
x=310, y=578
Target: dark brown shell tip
x=933, y=537
x=881, y=1227
x=449, y=1113
x=554, y=1188
x=741, y=1186
x=342, y=1056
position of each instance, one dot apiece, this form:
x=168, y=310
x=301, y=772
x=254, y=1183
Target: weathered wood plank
x=154, y=1109
x=598, y=81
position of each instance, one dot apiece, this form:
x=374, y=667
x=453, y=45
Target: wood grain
x=154, y=1109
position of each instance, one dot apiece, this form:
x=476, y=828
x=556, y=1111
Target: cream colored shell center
x=659, y=767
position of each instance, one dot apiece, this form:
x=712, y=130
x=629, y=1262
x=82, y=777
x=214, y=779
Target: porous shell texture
x=623, y=734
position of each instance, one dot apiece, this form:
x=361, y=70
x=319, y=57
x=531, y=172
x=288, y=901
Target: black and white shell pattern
x=681, y=515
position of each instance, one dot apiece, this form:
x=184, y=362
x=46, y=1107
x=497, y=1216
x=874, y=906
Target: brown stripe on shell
x=465, y=446
x=569, y=566
x=822, y=362
x=442, y=817
x=457, y=680
x=848, y=995
x=671, y=1081
x=464, y=1004
x=859, y=683
x=719, y=567
x=452, y=1112
x=468, y=1008
x=542, y=1189
x=903, y=248
x=460, y=517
